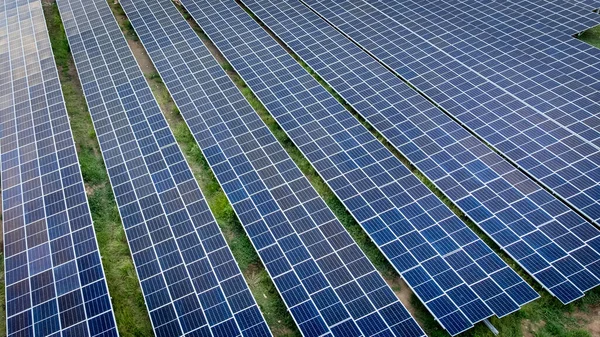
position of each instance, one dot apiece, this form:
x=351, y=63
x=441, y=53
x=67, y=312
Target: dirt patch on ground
x=134, y=44
x=403, y=292
x=142, y=57
x=529, y=328
x=255, y=276
x=251, y=274
x=159, y=90
x=73, y=75
x=281, y=331
x=589, y=320
x=89, y=189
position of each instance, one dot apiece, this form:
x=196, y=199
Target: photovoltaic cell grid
x=547, y=238
x=408, y=234
x=533, y=94
x=512, y=38
x=355, y=204
x=191, y=284
x=495, y=41
x=55, y=284
x=528, y=129
x=587, y=5
x=326, y=281
x=564, y=16
x=592, y=5
x=523, y=219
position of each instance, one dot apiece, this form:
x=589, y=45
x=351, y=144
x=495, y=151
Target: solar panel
x=564, y=17
x=523, y=219
x=191, y=283
x=55, y=284
x=268, y=68
x=326, y=281
x=534, y=103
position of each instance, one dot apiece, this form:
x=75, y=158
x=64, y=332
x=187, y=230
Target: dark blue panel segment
x=497, y=90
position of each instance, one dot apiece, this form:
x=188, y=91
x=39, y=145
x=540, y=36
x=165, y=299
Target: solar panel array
x=191, y=284
x=533, y=104
x=494, y=44
x=54, y=280
x=344, y=152
x=550, y=241
x=506, y=70
x=486, y=42
x=326, y=281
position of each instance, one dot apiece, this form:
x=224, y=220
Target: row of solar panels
x=54, y=279
x=189, y=279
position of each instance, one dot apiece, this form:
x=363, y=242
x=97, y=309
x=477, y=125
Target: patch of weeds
x=154, y=76
x=127, y=27
x=226, y=66
x=591, y=36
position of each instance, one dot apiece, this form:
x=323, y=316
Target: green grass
x=591, y=36
x=130, y=310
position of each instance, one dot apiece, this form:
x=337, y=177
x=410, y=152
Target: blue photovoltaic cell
x=191, y=284
x=408, y=233
x=326, y=281
x=524, y=219
x=55, y=284
x=531, y=93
